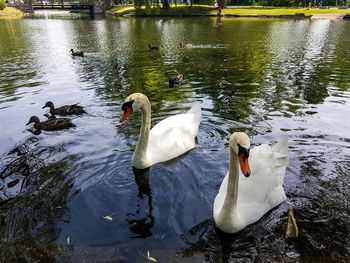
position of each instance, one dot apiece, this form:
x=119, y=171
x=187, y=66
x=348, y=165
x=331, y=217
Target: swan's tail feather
x=282, y=157
x=196, y=110
x=282, y=146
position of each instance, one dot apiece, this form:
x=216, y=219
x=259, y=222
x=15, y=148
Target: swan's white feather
x=173, y=136
x=261, y=191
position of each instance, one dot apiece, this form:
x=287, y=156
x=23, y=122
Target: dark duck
x=153, y=47
x=51, y=124
x=77, y=53
x=176, y=80
x=65, y=110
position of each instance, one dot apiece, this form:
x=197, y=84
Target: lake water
x=266, y=77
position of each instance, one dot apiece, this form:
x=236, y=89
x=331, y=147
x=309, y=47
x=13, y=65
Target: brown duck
x=77, y=53
x=176, y=80
x=51, y=124
x=65, y=110
x=183, y=45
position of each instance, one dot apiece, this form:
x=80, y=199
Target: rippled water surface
x=266, y=77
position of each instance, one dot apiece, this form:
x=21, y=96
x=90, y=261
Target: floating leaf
x=107, y=218
x=292, y=228
x=150, y=258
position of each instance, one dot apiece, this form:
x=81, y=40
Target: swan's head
x=133, y=102
x=240, y=144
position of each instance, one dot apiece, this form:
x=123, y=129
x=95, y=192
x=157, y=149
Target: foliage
x=146, y=7
x=138, y=4
x=205, y=2
x=147, y=11
x=2, y=5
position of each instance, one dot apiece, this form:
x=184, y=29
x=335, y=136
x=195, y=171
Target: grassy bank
x=10, y=11
x=211, y=10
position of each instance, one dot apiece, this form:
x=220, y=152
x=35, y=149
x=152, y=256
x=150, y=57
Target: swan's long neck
x=229, y=208
x=139, y=157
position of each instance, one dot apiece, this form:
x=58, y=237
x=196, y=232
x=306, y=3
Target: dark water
x=265, y=77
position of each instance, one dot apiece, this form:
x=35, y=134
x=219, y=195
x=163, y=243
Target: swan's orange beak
x=243, y=161
x=126, y=114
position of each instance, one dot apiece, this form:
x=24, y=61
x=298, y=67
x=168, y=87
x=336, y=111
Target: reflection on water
x=34, y=200
x=265, y=77
x=142, y=227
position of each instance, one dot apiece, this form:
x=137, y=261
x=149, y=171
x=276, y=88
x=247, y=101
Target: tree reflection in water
x=35, y=186
x=142, y=227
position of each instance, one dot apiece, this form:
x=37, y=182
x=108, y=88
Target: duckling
x=175, y=80
x=51, y=124
x=153, y=47
x=77, y=53
x=183, y=45
x=65, y=110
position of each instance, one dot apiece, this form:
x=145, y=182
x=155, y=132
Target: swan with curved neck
x=168, y=139
x=243, y=200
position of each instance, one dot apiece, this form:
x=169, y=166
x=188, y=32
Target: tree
x=166, y=4
x=221, y=3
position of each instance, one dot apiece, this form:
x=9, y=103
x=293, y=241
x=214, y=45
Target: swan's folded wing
x=172, y=137
x=264, y=186
x=189, y=121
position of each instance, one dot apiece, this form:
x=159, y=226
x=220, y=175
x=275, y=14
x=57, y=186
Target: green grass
x=11, y=11
x=211, y=10
x=174, y=10
x=122, y=10
x=282, y=11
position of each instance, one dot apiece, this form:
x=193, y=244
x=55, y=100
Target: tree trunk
x=166, y=4
x=221, y=3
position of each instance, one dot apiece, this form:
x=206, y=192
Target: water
x=266, y=77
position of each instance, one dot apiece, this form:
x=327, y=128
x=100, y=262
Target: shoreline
x=295, y=17
x=330, y=13
x=14, y=12
x=11, y=12
x=298, y=16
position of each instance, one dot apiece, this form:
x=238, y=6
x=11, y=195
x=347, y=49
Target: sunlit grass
x=242, y=10
x=282, y=11
x=11, y=11
x=121, y=10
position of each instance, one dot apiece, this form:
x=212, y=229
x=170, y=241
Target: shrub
x=2, y=5
x=206, y=2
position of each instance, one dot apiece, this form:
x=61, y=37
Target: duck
x=168, y=139
x=65, y=110
x=51, y=124
x=175, y=80
x=183, y=45
x=153, y=47
x=77, y=53
x=253, y=184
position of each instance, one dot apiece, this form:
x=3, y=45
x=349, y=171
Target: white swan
x=242, y=202
x=168, y=139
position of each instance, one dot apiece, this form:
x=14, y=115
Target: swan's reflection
x=142, y=227
x=216, y=246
